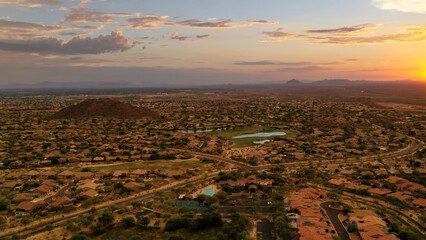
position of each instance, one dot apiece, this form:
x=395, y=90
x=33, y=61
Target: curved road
x=333, y=215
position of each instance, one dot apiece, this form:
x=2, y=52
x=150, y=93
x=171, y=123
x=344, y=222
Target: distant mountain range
x=129, y=84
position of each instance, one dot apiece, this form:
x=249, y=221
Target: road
x=265, y=230
x=333, y=215
x=126, y=201
x=413, y=147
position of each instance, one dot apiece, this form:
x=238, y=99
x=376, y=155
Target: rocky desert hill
x=105, y=107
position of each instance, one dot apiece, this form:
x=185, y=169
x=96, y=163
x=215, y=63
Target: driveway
x=338, y=225
x=265, y=230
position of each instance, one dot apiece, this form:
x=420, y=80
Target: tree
x=144, y=221
x=283, y=229
x=176, y=237
x=106, y=218
x=346, y=209
x=352, y=227
x=128, y=222
x=3, y=205
x=221, y=195
x=177, y=222
x=135, y=237
x=79, y=237
x=3, y=223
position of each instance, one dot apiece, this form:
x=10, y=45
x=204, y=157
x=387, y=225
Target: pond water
x=197, y=131
x=261, y=134
x=201, y=131
x=261, y=142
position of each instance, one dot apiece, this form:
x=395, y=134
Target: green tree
x=80, y=237
x=352, y=227
x=128, y=222
x=106, y=218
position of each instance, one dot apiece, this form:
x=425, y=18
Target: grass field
x=247, y=142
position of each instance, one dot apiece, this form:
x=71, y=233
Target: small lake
x=261, y=134
x=262, y=141
x=197, y=131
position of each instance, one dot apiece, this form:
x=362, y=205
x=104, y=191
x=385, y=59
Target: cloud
x=7, y=25
x=412, y=34
x=115, y=42
x=252, y=22
x=82, y=14
x=303, y=69
x=21, y=30
x=346, y=30
x=193, y=23
x=350, y=35
x=147, y=22
x=265, y=63
x=279, y=34
x=412, y=6
x=203, y=36
x=31, y=3
x=176, y=36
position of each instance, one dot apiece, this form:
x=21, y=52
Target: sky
x=200, y=42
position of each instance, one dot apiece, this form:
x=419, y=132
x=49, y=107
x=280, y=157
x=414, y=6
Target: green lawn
x=247, y=142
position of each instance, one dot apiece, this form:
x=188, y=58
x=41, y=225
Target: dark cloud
x=83, y=15
x=22, y=27
x=115, y=42
x=176, y=36
x=203, y=36
x=346, y=30
x=303, y=69
x=31, y=3
x=264, y=63
x=193, y=23
x=279, y=34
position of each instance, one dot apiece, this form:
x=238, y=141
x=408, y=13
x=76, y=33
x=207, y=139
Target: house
x=82, y=175
x=42, y=189
x=120, y=173
x=89, y=193
x=47, y=174
x=31, y=175
x=30, y=207
x=370, y=226
x=61, y=202
x=66, y=175
x=420, y=203
x=379, y=191
x=134, y=186
x=339, y=182
x=138, y=173
x=9, y=185
x=103, y=173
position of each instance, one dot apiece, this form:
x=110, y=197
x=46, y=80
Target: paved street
x=333, y=215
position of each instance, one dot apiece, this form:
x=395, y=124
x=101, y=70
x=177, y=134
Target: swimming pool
x=209, y=192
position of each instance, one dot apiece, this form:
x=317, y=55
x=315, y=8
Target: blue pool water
x=209, y=192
